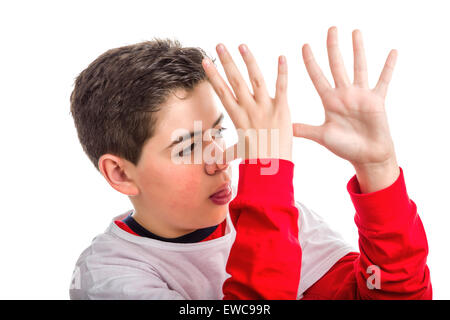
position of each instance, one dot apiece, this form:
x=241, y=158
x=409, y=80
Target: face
x=174, y=197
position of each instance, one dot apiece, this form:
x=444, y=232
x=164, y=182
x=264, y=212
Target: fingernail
x=243, y=48
x=206, y=62
x=220, y=48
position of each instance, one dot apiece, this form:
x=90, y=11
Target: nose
x=220, y=163
x=214, y=168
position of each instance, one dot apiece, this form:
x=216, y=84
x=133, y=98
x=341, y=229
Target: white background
x=53, y=201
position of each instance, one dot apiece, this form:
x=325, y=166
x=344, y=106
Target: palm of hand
x=355, y=126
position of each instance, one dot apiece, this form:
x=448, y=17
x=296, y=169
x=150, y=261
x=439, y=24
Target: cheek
x=175, y=185
x=187, y=189
x=186, y=183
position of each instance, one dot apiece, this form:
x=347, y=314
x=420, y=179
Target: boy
x=184, y=239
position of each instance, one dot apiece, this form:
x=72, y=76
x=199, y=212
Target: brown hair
x=115, y=98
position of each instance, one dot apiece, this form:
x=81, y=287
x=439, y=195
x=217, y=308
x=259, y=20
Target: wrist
x=268, y=180
x=262, y=148
x=377, y=176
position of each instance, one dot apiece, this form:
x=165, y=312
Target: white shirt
x=120, y=265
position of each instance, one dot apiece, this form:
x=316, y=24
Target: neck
x=156, y=224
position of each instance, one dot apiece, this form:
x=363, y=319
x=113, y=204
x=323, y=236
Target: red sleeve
x=393, y=250
x=265, y=259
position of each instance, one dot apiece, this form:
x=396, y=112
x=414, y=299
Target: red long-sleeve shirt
x=391, y=237
x=265, y=259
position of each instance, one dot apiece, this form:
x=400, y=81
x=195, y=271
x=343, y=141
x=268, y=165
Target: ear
x=116, y=172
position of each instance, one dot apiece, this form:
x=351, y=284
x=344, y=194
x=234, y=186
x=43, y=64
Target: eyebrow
x=192, y=134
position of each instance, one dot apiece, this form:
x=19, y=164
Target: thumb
x=225, y=156
x=307, y=131
x=230, y=154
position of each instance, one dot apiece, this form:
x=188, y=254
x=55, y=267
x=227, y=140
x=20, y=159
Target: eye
x=187, y=151
x=220, y=130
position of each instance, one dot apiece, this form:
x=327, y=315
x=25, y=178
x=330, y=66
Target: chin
x=218, y=216
x=223, y=214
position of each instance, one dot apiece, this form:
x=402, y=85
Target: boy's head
x=127, y=105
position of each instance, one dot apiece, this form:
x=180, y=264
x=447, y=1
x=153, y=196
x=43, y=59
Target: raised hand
x=257, y=111
x=355, y=126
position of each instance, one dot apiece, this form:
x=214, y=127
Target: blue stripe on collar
x=195, y=236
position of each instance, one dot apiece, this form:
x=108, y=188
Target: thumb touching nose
x=222, y=156
x=228, y=155
x=221, y=159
